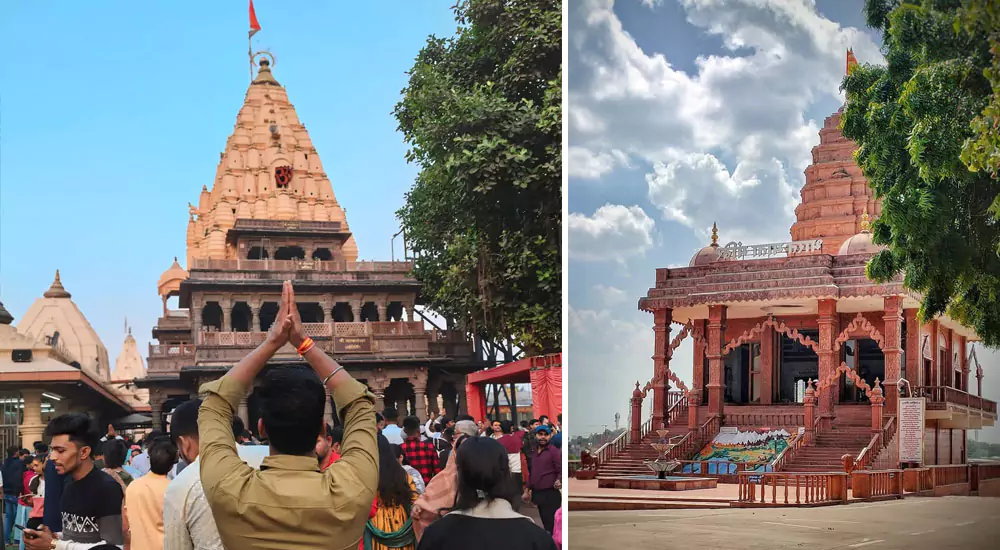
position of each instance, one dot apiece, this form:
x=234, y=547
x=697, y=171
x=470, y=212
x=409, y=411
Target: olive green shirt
x=288, y=503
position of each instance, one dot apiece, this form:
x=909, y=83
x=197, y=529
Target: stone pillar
x=693, y=395
x=378, y=384
x=255, y=317
x=419, y=381
x=716, y=366
x=331, y=320
x=698, y=364
x=402, y=408
x=636, y=412
x=328, y=408
x=196, y=309
x=892, y=334
x=828, y=328
x=964, y=362
x=227, y=315
x=382, y=307
x=809, y=406
x=156, y=411
x=913, y=359
x=244, y=410
x=661, y=363
x=767, y=365
x=877, y=401
x=356, y=310
x=410, y=312
x=935, y=355
x=31, y=427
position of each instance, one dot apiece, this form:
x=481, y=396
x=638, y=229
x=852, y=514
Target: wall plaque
x=911, y=429
x=352, y=344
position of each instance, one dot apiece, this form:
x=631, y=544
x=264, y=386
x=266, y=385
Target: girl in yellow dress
x=391, y=526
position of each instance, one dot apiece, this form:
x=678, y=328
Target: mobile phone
x=21, y=527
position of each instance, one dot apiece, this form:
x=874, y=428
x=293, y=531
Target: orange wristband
x=306, y=345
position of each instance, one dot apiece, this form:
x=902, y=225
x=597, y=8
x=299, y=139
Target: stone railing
x=171, y=350
x=939, y=395
x=237, y=264
x=790, y=488
x=879, y=441
x=776, y=419
x=949, y=474
x=877, y=483
x=788, y=453
x=692, y=442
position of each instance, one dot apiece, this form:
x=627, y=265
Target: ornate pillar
x=244, y=410
x=356, y=310
x=698, y=364
x=378, y=383
x=31, y=427
x=878, y=401
x=913, y=359
x=382, y=307
x=255, y=316
x=767, y=366
x=156, y=410
x=716, y=332
x=693, y=395
x=419, y=381
x=636, y=415
x=828, y=327
x=661, y=363
x=227, y=315
x=809, y=406
x=892, y=333
x=328, y=408
x=410, y=312
x=330, y=307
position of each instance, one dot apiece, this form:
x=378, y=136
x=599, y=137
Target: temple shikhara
x=271, y=215
x=799, y=359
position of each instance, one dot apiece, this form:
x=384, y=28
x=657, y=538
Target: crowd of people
x=375, y=481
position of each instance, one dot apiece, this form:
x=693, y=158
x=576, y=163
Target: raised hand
x=297, y=332
x=278, y=335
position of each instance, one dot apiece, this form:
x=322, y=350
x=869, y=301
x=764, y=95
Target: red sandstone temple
x=793, y=336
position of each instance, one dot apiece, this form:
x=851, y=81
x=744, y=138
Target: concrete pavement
x=913, y=524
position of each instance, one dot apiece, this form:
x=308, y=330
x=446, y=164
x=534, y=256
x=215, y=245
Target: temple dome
x=171, y=279
x=710, y=253
x=861, y=243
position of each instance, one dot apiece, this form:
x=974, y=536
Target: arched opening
x=211, y=316
x=257, y=253
x=290, y=253
x=864, y=357
x=369, y=312
x=342, y=313
x=798, y=364
x=311, y=312
x=242, y=317
x=268, y=311
x=740, y=366
x=394, y=312
x=323, y=254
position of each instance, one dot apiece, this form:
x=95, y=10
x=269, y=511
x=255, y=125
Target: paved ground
x=913, y=524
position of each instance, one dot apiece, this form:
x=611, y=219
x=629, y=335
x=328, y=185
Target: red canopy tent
x=544, y=372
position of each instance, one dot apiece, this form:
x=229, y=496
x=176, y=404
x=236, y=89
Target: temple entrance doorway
x=796, y=365
x=742, y=375
x=864, y=357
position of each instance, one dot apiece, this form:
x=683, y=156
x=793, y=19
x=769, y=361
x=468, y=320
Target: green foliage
x=927, y=144
x=976, y=449
x=482, y=116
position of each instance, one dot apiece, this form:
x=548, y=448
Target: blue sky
x=683, y=113
x=114, y=113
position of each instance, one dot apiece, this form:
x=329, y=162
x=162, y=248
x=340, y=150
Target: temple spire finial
x=851, y=60
x=715, y=234
x=866, y=221
x=56, y=290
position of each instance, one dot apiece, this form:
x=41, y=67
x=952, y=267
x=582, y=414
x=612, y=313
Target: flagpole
x=250, y=53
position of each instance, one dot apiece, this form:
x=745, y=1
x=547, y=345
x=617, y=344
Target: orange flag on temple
x=254, y=25
x=851, y=60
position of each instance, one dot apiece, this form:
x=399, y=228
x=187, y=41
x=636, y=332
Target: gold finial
x=715, y=234
x=866, y=221
x=56, y=290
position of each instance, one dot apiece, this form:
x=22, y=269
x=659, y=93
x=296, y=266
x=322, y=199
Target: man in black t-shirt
x=91, y=501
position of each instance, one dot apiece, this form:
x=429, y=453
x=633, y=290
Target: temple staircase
x=825, y=455
x=629, y=461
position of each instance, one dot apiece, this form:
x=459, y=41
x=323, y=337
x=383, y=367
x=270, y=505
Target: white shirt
x=141, y=462
x=187, y=519
x=394, y=434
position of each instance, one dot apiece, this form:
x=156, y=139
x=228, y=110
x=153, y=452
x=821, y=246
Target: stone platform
x=652, y=483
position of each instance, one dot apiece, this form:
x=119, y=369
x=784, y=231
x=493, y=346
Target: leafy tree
x=912, y=119
x=482, y=116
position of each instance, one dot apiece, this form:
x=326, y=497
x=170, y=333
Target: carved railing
x=980, y=472
x=238, y=264
x=400, y=328
x=788, y=453
x=622, y=441
x=945, y=394
x=170, y=350
x=677, y=403
x=692, y=442
x=949, y=474
x=880, y=440
x=735, y=417
x=877, y=483
x=792, y=488
x=351, y=329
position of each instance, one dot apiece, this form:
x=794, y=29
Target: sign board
x=729, y=430
x=911, y=429
x=352, y=344
x=755, y=479
x=802, y=430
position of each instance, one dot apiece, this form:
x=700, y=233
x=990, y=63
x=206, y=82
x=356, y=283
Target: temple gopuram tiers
x=792, y=338
x=270, y=216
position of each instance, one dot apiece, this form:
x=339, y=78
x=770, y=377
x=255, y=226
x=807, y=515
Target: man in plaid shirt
x=420, y=454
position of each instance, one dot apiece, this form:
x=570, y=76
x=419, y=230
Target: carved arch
x=860, y=324
x=779, y=326
x=688, y=329
x=847, y=371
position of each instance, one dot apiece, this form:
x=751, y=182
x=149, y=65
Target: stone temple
x=271, y=215
x=793, y=337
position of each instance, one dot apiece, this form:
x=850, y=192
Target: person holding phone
x=91, y=500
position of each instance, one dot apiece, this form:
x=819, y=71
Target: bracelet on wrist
x=305, y=346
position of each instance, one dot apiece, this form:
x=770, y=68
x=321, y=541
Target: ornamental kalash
x=799, y=359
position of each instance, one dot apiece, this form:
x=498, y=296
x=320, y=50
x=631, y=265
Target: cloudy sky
x=683, y=113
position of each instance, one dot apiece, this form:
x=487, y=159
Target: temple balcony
x=165, y=359
x=956, y=409
x=300, y=270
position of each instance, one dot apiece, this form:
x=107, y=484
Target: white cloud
x=612, y=233
x=584, y=163
x=610, y=296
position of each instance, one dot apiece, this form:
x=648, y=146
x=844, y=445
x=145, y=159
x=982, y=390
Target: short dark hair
x=81, y=429
x=559, y=416
x=506, y=426
x=98, y=450
x=483, y=469
x=533, y=420
x=292, y=404
x=524, y=423
x=162, y=455
x=40, y=447
x=238, y=427
x=411, y=425
x=443, y=421
x=12, y=450
x=462, y=417
x=336, y=434
x=379, y=417
x=114, y=453
x=543, y=418
x=391, y=413
x=184, y=421
x=150, y=437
